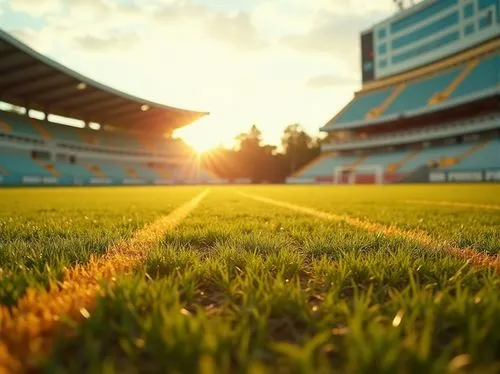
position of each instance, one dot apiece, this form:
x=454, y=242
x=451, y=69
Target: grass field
x=302, y=279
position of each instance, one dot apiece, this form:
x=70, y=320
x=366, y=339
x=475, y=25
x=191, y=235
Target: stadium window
x=368, y=66
x=481, y=4
x=469, y=29
x=425, y=31
x=468, y=10
x=382, y=33
x=382, y=49
x=382, y=63
x=422, y=15
x=485, y=21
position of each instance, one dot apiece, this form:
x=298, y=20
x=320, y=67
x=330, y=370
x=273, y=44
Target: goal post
x=346, y=174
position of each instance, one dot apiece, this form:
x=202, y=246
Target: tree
x=262, y=163
x=299, y=147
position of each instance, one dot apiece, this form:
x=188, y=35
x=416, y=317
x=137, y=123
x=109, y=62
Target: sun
x=202, y=135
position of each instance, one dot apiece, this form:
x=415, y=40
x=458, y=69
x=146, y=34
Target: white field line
x=454, y=204
x=28, y=329
x=467, y=254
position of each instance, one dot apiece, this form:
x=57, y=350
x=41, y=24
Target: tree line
x=263, y=163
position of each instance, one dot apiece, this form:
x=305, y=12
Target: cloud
x=35, y=8
x=332, y=35
x=109, y=44
x=236, y=30
x=327, y=80
x=244, y=61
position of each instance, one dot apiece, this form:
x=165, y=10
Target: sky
x=265, y=62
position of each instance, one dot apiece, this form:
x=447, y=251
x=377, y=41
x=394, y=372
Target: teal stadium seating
x=434, y=154
x=61, y=132
x=418, y=93
x=73, y=170
x=326, y=166
x=144, y=172
x=384, y=159
x=20, y=124
x=485, y=158
x=360, y=106
x=485, y=75
x=21, y=164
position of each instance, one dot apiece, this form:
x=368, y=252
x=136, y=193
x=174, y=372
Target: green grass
x=243, y=286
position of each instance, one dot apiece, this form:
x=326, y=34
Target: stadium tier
x=426, y=116
x=132, y=143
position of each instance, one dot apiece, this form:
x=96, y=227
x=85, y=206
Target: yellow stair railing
x=440, y=96
x=377, y=111
x=94, y=169
x=5, y=127
x=450, y=161
x=41, y=129
x=131, y=172
x=398, y=165
x=49, y=167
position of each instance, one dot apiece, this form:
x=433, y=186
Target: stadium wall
x=425, y=33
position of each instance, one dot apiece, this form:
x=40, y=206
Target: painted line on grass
x=454, y=204
x=28, y=329
x=467, y=254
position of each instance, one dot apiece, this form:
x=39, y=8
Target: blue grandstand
x=114, y=139
x=429, y=107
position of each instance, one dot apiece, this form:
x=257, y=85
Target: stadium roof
x=32, y=80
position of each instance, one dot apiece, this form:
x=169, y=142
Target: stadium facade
x=429, y=106
x=122, y=139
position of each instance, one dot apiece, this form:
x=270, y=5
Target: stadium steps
x=443, y=95
x=398, y=165
x=310, y=164
x=357, y=162
x=376, y=112
x=49, y=167
x=95, y=170
x=5, y=127
x=451, y=161
x=40, y=128
x=131, y=172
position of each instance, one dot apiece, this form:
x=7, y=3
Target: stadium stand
x=437, y=110
x=133, y=146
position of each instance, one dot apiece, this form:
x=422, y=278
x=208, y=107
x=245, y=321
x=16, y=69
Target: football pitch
x=251, y=279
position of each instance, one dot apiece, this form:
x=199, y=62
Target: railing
x=80, y=147
x=454, y=128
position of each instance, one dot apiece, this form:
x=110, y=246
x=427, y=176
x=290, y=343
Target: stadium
x=120, y=139
x=429, y=106
x=122, y=252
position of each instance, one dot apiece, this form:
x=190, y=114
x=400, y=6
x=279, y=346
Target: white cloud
x=257, y=65
x=35, y=8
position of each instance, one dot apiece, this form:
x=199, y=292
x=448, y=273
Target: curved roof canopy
x=27, y=78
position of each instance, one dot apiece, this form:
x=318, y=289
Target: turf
x=244, y=286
